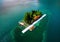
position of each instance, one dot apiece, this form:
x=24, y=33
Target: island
x=30, y=17
x=35, y=33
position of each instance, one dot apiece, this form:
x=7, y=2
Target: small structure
x=29, y=18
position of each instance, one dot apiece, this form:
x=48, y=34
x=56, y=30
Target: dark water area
x=9, y=19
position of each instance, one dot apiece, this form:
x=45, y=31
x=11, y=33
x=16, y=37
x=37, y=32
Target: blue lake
x=9, y=19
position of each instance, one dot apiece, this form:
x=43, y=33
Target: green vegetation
x=29, y=16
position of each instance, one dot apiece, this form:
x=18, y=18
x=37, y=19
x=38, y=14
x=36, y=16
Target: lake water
x=10, y=16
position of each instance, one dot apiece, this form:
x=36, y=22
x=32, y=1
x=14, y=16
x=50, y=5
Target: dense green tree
x=28, y=18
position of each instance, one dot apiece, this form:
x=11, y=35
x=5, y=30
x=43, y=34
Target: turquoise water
x=9, y=19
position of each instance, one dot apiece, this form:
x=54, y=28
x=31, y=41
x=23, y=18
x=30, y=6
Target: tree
x=28, y=18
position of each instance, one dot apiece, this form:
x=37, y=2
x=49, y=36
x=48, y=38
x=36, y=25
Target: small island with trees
x=30, y=17
x=35, y=32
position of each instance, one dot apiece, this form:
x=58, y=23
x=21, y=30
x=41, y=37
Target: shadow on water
x=36, y=34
